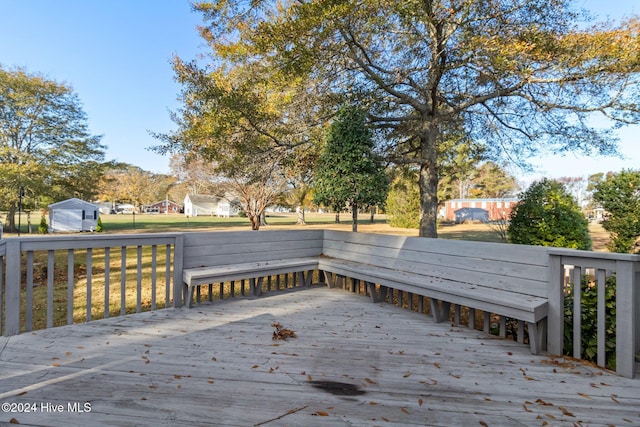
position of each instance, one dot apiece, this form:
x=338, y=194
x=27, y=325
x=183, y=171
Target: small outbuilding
x=73, y=215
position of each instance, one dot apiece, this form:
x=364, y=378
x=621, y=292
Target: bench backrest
x=517, y=268
x=206, y=249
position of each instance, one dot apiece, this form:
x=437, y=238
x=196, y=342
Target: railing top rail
x=75, y=241
x=575, y=253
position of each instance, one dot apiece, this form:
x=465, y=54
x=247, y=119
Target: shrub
x=547, y=215
x=589, y=322
x=99, y=227
x=43, y=228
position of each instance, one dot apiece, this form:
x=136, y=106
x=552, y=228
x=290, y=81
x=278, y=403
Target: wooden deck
x=352, y=363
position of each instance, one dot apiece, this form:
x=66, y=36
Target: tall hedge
x=547, y=215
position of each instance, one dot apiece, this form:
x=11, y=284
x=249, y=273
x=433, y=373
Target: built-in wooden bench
x=229, y=256
x=507, y=280
x=510, y=281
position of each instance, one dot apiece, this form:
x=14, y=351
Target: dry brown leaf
x=320, y=414
x=614, y=397
x=177, y=376
x=488, y=399
x=374, y=403
x=542, y=402
x=419, y=402
x=405, y=411
x=407, y=375
x=255, y=366
x=483, y=424
x=370, y=381
x=210, y=380
x=309, y=377
x=525, y=408
x=565, y=411
x=68, y=353
x=544, y=424
x=55, y=365
x=586, y=396
x=437, y=365
x=550, y=416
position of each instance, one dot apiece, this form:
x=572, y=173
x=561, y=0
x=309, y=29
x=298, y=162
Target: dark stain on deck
x=338, y=388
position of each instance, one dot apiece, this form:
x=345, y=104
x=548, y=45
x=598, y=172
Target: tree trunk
x=300, y=212
x=263, y=218
x=373, y=210
x=354, y=216
x=337, y=217
x=10, y=225
x=428, y=183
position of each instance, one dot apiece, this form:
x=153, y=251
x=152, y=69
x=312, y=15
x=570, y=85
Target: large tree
x=349, y=174
x=45, y=144
x=516, y=75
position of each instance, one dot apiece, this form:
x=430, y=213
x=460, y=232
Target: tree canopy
x=45, y=144
x=516, y=76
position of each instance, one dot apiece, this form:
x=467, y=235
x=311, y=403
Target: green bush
x=99, y=227
x=547, y=215
x=589, y=320
x=43, y=228
x=403, y=203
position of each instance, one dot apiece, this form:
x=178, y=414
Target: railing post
x=12, y=290
x=626, y=318
x=555, y=316
x=178, y=262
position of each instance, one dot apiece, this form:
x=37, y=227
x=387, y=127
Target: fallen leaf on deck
x=405, y=411
x=419, y=402
x=550, y=416
x=370, y=381
x=281, y=333
x=566, y=411
x=309, y=377
x=68, y=353
x=614, y=398
x=210, y=381
x=542, y=402
x=586, y=396
x=374, y=403
x=483, y=424
x=320, y=414
x=525, y=408
x=407, y=375
x=437, y=365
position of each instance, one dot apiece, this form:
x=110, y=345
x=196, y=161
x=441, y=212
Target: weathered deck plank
x=218, y=365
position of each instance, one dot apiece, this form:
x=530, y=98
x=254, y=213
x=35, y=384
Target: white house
x=73, y=215
x=199, y=205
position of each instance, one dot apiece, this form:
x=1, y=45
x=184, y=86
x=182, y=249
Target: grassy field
x=165, y=223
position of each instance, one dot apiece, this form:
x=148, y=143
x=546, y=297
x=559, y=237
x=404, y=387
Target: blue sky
x=116, y=55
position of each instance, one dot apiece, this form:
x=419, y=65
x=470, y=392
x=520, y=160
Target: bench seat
x=444, y=292
x=254, y=271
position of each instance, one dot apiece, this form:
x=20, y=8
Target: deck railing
x=48, y=281
x=617, y=311
x=109, y=267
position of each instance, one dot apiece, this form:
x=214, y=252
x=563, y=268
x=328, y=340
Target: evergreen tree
x=349, y=174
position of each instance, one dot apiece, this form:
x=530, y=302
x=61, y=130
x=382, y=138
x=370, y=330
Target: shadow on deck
x=352, y=362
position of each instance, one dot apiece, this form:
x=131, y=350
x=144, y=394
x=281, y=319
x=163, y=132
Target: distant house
x=496, y=209
x=162, y=207
x=125, y=208
x=199, y=205
x=73, y=215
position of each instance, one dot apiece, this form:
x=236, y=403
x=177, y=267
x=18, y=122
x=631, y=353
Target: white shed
x=73, y=215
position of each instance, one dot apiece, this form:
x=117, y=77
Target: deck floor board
x=217, y=364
